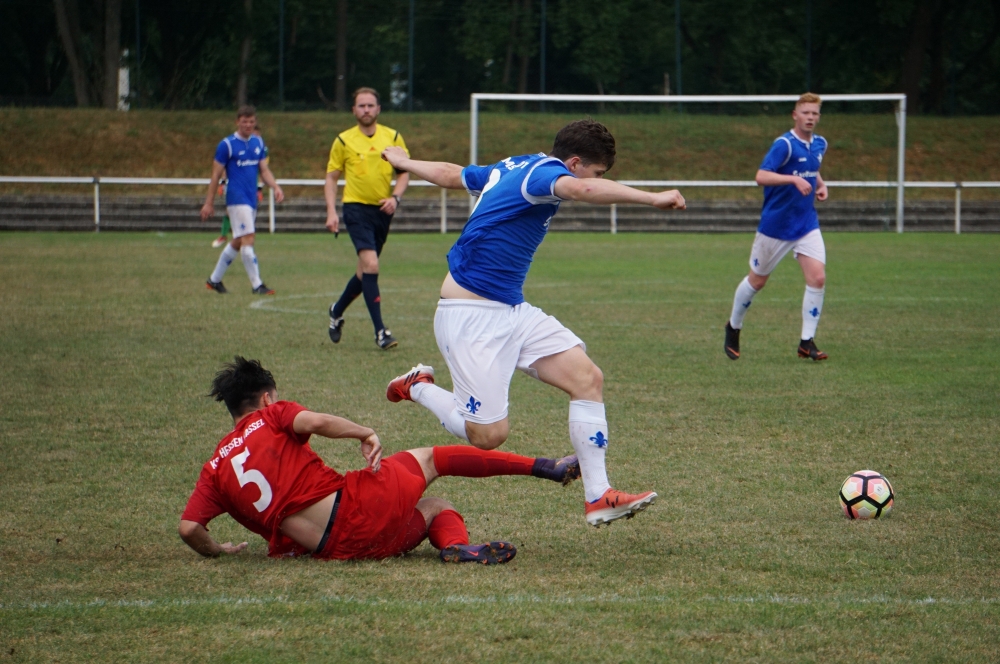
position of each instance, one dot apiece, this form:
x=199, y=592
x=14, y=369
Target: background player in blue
x=241, y=156
x=486, y=330
x=788, y=222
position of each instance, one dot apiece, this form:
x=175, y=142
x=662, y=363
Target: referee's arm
x=330, y=193
x=389, y=205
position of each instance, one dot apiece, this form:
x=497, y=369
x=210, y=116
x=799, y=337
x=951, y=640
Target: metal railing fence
x=97, y=181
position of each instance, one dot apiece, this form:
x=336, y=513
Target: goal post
x=898, y=99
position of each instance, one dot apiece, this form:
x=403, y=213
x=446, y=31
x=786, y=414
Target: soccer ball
x=866, y=495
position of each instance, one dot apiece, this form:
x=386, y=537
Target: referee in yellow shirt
x=369, y=203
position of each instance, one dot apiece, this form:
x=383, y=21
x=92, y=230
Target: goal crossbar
x=898, y=98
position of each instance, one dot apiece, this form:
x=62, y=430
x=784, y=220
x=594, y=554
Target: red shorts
x=377, y=517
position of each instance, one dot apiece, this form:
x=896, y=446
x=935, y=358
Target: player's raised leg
x=575, y=373
x=417, y=385
x=466, y=461
x=445, y=526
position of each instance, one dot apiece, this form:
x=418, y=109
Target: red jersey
x=261, y=473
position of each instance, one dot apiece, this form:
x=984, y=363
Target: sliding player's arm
x=606, y=192
x=196, y=536
x=772, y=179
x=208, y=209
x=440, y=173
x=331, y=426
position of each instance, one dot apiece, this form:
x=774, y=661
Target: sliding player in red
x=266, y=476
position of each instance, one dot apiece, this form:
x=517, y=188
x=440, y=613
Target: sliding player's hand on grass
x=669, y=200
x=371, y=450
x=232, y=549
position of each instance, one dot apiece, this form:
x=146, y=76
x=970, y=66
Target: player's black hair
x=587, y=139
x=240, y=384
x=246, y=111
x=366, y=91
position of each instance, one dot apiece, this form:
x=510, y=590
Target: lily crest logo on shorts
x=473, y=405
x=599, y=439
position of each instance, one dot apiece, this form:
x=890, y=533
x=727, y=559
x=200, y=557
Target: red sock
x=446, y=529
x=465, y=461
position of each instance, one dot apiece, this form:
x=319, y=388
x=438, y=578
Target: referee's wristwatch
x=398, y=199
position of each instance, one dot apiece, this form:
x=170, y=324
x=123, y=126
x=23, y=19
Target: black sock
x=351, y=292
x=369, y=282
x=546, y=469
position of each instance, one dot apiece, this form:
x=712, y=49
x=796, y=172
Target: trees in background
x=944, y=55
x=91, y=41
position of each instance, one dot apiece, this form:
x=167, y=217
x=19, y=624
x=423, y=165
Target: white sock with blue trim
x=812, y=307
x=442, y=403
x=588, y=431
x=227, y=256
x=741, y=302
x=250, y=265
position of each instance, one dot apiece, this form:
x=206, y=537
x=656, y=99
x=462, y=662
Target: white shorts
x=242, y=218
x=484, y=341
x=767, y=251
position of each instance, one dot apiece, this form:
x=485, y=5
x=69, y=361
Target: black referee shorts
x=367, y=225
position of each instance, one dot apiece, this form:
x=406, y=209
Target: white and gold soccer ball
x=866, y=494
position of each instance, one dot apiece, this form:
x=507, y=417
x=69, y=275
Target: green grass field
x=111, y=340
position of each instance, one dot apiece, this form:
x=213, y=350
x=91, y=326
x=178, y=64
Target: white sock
x=588, y=431
x=227, y=256
x=442, y=403
x=812, y=307
x=741, y=302
x=250, y=264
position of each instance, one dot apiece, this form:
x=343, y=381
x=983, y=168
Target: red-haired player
x=268, y=478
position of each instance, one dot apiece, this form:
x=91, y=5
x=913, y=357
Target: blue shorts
x=367, y=225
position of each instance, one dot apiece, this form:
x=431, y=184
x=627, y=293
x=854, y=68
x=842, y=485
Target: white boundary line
x=466, y=600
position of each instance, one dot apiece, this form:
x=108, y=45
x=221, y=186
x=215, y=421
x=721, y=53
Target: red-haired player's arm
x=331, y=426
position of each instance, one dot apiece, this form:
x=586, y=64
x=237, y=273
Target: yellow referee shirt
x=359, y=158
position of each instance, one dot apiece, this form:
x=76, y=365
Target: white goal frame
x=898, y=98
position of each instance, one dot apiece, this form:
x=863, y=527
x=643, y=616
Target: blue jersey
x=787, y=214
x=242, y=161
x=516, y=201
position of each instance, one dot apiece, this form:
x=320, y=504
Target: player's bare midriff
x=450, y=290
x=307, y=526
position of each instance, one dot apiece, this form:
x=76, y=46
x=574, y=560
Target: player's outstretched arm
x=331, y=426
x=196, y=536
x=606, y=192
x=440, y=173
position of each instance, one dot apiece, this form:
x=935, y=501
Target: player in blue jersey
x=240, y=156
x=791, y=180
x=486, y=330
x=226, y=227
